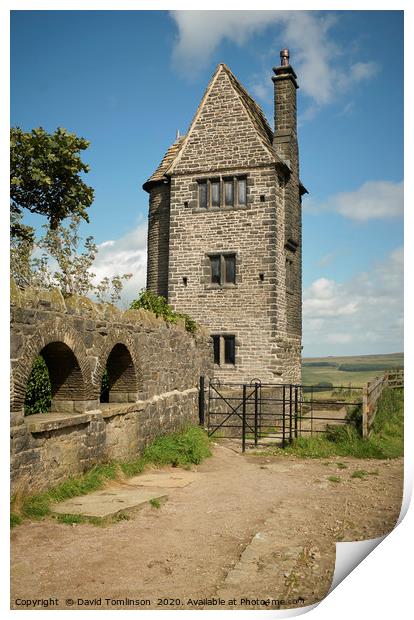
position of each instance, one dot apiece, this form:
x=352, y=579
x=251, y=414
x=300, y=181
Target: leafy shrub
x=39, y=390
x=161, y=308
x=354, y=416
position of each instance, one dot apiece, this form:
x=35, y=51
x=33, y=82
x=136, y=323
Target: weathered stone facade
x=229, y=139
x=153, y=368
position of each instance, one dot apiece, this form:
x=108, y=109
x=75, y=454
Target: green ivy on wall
x=39, y=390
x=159, y=305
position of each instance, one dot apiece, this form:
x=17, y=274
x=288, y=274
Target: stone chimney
x=285, y=140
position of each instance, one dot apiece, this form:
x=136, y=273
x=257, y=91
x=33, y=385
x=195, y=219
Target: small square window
x=228, y=193
x=230, y=269
x=241, y=191
x=216, y=349
x=215, y=263
x=202, y=194
x=229, y=349
x=223, y=269
x=215, y=193
x=224, y=349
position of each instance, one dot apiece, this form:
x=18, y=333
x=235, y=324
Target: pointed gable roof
x=167, y=160
x=252, y=109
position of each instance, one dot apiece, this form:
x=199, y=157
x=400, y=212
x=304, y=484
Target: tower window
x=230, y=269
x=215, y=262
x=215, y=193
x=241, y=191
x=223, y=269
x=224, y=349
x=229, y=349
x=216, y=349
x=222, y=192
x=202, y=194
x=228, y=192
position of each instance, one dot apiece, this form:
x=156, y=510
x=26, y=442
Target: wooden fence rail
x=372, y=391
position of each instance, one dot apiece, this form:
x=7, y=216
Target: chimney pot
x=284, y=57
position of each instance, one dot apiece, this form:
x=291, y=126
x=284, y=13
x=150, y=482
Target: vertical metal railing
x=201, y=401
x=244, y=419
x=256, y=412
x=296, y=411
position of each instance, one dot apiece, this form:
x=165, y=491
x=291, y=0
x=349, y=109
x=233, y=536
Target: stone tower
x=224, y=234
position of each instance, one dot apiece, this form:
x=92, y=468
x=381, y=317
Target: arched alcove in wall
x=119, y=379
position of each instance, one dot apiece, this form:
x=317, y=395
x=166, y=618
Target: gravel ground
x=248, y=529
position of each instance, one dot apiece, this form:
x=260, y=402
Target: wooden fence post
x=365, y=411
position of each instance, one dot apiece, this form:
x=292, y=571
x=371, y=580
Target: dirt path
x=248, y=527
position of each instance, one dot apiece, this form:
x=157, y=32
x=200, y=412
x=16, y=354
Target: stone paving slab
x=125, y=496
x=164, y=479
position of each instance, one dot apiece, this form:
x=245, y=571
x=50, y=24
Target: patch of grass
x=15, y=519
x=385, y=442
x=70, y=519
x=133, y=468
x=178, y=449
x=155, y=503
x=359, y=473
x=341, y=466
x=335, y=479
x=362, y=473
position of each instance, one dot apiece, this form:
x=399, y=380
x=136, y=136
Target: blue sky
x=127, y=80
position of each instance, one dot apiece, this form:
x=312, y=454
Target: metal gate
x=261, y=414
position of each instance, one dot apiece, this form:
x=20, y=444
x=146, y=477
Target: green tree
x=45, y=177
x=65, y=264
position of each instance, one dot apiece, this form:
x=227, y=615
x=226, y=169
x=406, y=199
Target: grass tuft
x=15, y=519
x=335, y=479
x=360, y=473
x=179, y=449
x=155, y=503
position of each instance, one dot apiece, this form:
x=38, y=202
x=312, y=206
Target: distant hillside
x=354, y=369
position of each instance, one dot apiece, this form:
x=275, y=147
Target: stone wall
x=154, y=369
x=158, y=239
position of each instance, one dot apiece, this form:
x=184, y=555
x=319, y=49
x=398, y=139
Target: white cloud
x=323, y=67
x=327, y=260
x=373, y=200
x=125, y=255
x=363, y=315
